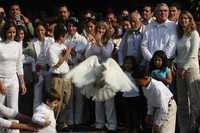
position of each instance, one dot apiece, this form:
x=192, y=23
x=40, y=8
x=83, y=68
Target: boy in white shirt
x=44, y=114
x=161, y=105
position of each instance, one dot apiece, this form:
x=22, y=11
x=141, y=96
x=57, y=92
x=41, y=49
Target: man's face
x=15, y=11
x=147, y=13
x=63, y=13
x=173, y=13
x=135, y=23
x=162, y=14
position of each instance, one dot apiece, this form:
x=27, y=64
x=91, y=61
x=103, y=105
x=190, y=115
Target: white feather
x=100, y=81
x=84, y=73
x=116, y=78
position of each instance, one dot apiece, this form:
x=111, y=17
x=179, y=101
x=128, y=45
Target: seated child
x=161, y=105
x=44, y=114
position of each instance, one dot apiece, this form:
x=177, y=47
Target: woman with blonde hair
x=187, y=73
x=102, y=46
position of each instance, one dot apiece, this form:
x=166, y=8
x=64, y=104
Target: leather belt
x=55, y=75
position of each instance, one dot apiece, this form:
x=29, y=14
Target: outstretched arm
x=28, y=127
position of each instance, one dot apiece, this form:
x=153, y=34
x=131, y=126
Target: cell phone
x=18, y=19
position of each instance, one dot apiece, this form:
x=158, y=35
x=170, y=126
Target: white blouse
x=10, y=59
x=187, y=51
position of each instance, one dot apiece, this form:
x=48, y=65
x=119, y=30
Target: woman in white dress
x=187, y=73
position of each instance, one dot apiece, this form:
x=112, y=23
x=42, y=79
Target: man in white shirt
x=161, y=105
x=159, y=35
x=58, y=55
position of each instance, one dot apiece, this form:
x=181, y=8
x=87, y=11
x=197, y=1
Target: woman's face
x=40, y=31
x=90, y=27
x=184, y=20
x=71, y=29
x=101, y=30
x=158, y=62
x=21, y=35
x=11, y=33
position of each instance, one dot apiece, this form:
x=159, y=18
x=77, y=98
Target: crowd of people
x=157, y=49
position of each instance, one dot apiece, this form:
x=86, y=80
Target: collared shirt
x=40, y=114
x=187, y=51
x=41, y=48
x=10, y=59
x=159, y=37
x=8, y=113
x=79, y=43
x=158, y=97
x=130, y=45
x=54, y=52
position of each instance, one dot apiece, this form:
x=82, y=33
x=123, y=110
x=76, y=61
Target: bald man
x=130, y=44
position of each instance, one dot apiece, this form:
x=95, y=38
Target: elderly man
x=130, y=44
x=159, y=35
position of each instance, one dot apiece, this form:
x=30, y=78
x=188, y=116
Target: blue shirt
x=161, y=73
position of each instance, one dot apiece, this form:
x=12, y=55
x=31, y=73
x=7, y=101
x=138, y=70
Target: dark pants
x=134, y=113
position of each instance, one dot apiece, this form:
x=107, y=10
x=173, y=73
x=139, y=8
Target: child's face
x=128, y=65
x=52, y=104
x=143, y=82
x=158, y=62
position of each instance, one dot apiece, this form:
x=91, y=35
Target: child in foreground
x=44, y=114
x=161, y=105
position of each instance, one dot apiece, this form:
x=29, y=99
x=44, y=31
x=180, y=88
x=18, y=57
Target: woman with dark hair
x=11, y=67
x=26, y=101
x=187, y=72
x=40, y=44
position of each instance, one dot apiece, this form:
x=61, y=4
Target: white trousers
x=10, y=99
x=169, y=123
x=105, y=114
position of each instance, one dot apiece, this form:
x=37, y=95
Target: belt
x=55, y=75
